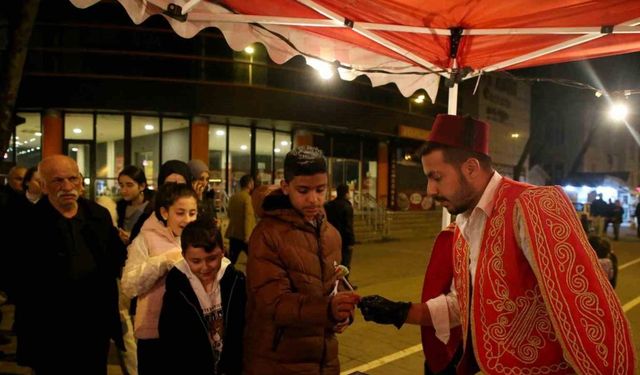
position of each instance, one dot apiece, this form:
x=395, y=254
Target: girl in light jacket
x=151, y=256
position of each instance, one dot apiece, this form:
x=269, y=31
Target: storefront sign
x=413, y=133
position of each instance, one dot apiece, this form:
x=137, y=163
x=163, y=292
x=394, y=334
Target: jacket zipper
x=204, y=325
x=324, y=339
x=226, y=313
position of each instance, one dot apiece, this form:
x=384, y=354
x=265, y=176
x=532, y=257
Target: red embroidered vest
x=559, y=317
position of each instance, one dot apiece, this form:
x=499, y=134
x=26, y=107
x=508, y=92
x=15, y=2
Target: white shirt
x=444, y=309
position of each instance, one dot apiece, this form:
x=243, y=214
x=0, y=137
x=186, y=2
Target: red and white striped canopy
x=410, y=42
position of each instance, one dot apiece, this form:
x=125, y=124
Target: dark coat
x=13, y=205
x=340, y=215
x=182, y=328
x=51, y=303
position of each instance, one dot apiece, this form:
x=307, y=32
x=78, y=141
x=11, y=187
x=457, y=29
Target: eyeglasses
x=59, y=181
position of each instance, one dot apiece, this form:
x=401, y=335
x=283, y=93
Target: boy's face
x=204, y=265
x=307, y=193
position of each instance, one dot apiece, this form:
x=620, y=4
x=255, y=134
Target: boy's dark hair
x=456, y=156
x=201, y=233
x=245, y=180
x=169, y=193
x=342, y=190
x=304, y=161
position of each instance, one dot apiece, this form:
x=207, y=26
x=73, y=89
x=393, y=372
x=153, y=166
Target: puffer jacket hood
x=278, y=206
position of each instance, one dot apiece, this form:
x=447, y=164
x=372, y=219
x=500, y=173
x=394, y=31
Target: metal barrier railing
x=367, y=208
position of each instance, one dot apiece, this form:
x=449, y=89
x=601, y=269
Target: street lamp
x=249, y=50
x=619, y=111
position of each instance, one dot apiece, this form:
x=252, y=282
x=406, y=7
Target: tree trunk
x=21, y=15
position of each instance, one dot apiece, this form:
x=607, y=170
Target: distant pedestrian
x=617, y=213
x=242, y=219
x=599, y=213
x=340, y=215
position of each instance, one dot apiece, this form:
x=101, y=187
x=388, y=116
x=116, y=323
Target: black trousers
x=235, y=247
x=150, y=357
x=347, y=253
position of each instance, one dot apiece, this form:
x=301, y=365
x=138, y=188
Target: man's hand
x=342, y=305
x=383, y=311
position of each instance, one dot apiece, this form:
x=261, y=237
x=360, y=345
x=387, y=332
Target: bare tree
x=21, y=15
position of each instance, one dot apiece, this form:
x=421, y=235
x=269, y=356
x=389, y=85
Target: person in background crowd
x=13, y=193
x=242, y=219
x=206, y=196
x=12, y=199
x=606, y=258
x=599, y=213
x=135, y=200
x=294, y=308
x=340, y=215
x=519, y=255
x=15, y=178
x=617, y=213
x=127, y=357
x=68, y=277
x=202, y=317
x=637, y=215
x=31, y=185
x=151, y=255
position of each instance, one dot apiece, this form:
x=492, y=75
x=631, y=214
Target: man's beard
x=462, y=199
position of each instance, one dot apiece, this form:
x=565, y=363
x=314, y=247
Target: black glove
x=383, y=311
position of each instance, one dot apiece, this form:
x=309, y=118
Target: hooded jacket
x=182, y=327
x=290, y=276
x=151, y=256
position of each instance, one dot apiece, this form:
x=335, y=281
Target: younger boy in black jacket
x=202, y=318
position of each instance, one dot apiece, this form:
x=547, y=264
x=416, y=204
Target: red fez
x=461, y=132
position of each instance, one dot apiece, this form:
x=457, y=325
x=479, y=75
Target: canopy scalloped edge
x=240, y=35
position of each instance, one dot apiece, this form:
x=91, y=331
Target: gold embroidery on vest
x=522, y=327
x=461, y=269
x=558, y=254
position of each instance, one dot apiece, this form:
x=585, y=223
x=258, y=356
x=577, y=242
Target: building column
x=382, y=180
x=52, y=133
x=200, y=139
x=302, y=138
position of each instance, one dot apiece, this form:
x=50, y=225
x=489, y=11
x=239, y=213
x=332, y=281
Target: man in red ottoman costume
x=527, y=289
